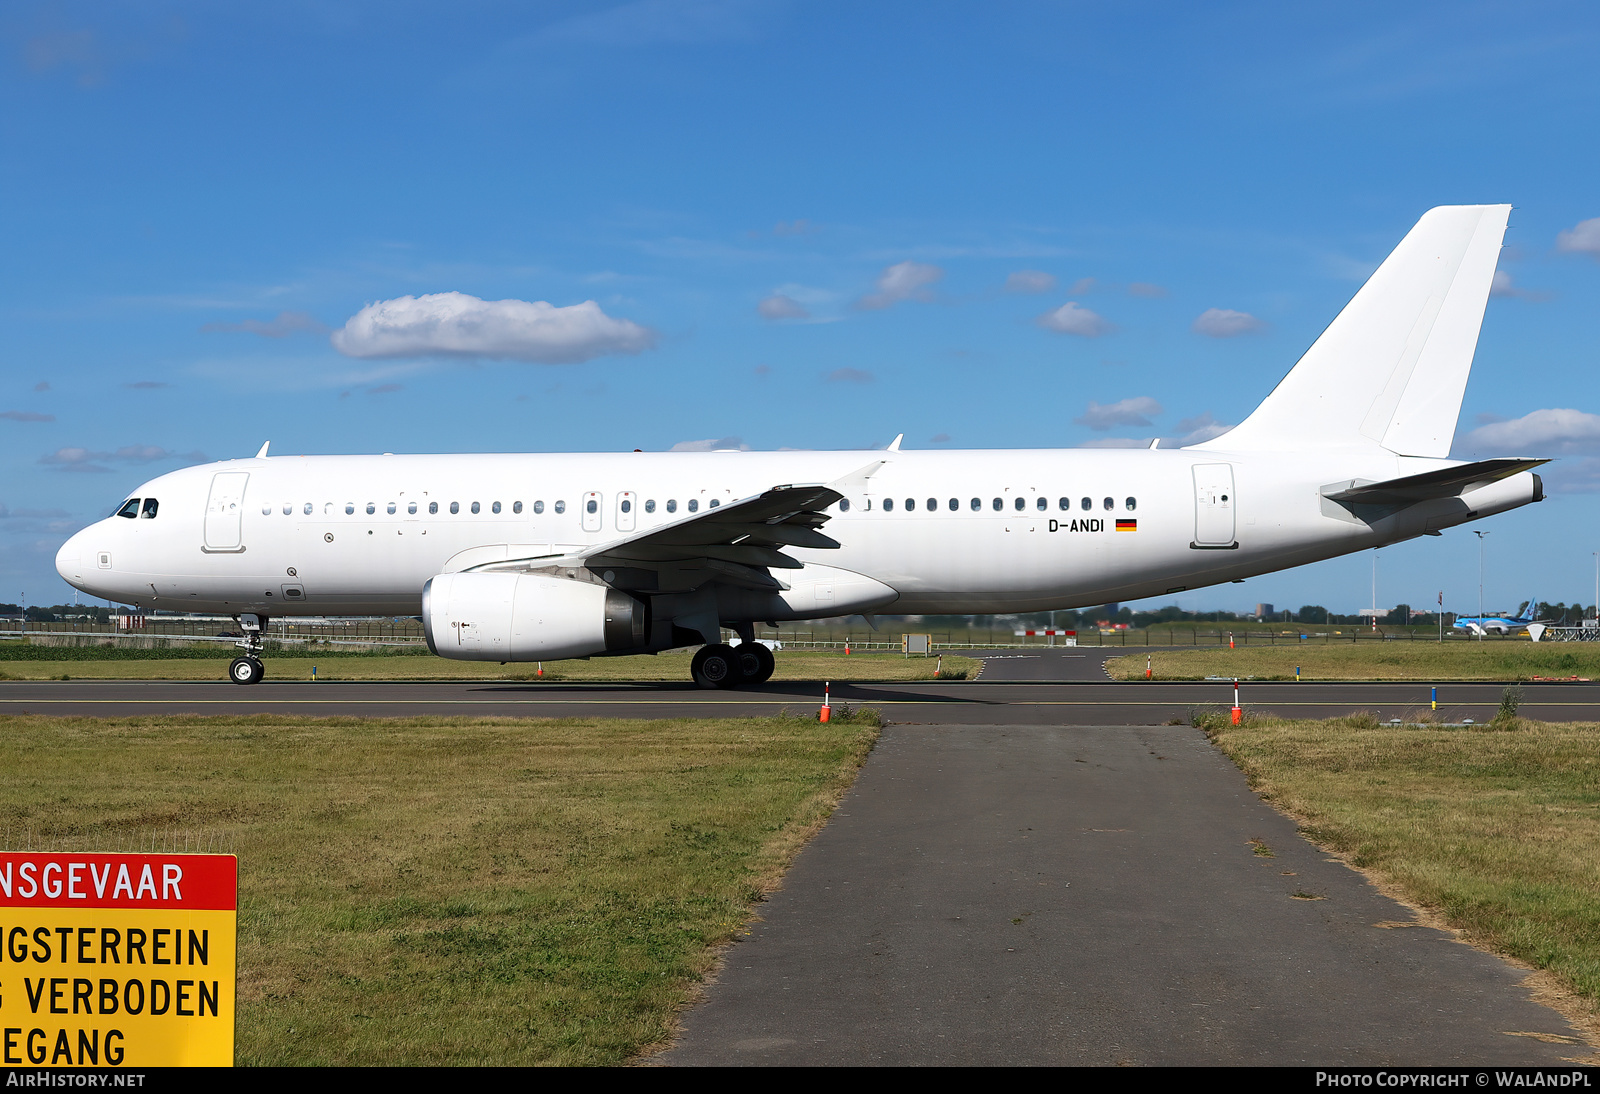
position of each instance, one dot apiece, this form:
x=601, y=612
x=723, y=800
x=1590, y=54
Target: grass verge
x=796, y=665
x=1371, y=661
x=1495, y=829
x=451, y=891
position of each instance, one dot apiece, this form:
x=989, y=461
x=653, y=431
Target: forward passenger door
x=225, y=511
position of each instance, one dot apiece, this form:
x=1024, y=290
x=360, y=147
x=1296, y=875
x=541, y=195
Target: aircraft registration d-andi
x=542, y=557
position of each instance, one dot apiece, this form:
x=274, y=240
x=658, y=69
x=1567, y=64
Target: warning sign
x=117, y=960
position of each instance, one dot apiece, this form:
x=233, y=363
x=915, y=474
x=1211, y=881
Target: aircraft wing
x=1447, y=482
x=736, y=543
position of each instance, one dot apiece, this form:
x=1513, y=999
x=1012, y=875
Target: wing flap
x=737, y=541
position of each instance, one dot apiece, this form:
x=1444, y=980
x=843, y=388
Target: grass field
x=1495, y=829
x=450, y=891
x=1424, y=661
x=792, y=665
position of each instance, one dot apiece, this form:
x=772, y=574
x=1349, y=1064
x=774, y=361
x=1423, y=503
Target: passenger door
x=1213, y=505
x=225, y=511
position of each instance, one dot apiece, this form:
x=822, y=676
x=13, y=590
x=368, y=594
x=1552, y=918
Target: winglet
x=894, y=445
x=263, y=453
x=856, y=479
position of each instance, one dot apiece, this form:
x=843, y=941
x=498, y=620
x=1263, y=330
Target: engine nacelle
x=527, y=617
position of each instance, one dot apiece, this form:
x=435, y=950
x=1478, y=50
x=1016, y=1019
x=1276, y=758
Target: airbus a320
x=543, y=557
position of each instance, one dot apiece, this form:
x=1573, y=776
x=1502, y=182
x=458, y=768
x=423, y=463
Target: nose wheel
x=249, y=669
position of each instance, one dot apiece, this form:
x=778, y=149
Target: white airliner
x=542, y=557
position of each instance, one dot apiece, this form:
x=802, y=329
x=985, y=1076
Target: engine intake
x=527, y=617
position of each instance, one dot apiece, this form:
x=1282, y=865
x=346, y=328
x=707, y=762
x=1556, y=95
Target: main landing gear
x=724, y=666
x=248, y=669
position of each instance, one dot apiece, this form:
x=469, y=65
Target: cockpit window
x=150, y=507
x=130, y=508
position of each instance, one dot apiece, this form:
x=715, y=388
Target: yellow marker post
x=117, y=960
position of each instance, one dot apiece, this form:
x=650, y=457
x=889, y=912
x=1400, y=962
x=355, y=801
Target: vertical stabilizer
x=1392, y=368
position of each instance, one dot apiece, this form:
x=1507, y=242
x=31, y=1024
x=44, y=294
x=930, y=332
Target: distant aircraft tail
x=1392, y=368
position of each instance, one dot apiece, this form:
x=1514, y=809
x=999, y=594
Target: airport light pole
x=1374, y=588
x=1480, y=536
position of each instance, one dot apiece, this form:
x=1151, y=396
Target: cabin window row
x=433, y=507
x=998, y=505
x=412, y=508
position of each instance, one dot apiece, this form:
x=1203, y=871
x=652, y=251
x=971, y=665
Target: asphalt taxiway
x=1003, y=695
x=991, y=894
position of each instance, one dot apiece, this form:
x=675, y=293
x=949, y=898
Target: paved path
x=1047, y=895
x=1080, y=664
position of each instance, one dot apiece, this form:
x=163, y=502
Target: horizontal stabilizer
x=1447, y=482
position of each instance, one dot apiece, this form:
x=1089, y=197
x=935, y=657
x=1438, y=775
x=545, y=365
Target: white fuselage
x=347, y=535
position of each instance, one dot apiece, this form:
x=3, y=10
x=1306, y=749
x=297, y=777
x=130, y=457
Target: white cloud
x=1503, y=285
x=779, y=306
x=286, y=323
x=1146, y=289
x=1082, y=285
x=1584, y=238
x=1540, y=433
x=1074, y=318
x=1030, y=281
x=940, y=438
x=32, y=522
x=1116, y=442
x=849, y=376
x=26, y=416
x=902, y=281
x=1225, y=323
x=83, y=459
x=453, y=324
x=1202, y=427
x=1134, y=411
x=714, y=444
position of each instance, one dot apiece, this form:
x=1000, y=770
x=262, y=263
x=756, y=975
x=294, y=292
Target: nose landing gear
x=248, y=669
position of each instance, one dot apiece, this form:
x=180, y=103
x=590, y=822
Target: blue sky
x=804, y=225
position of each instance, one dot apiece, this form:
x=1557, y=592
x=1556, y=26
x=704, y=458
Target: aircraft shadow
x=805, y=692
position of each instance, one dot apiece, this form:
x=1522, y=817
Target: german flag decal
x=1127, y=526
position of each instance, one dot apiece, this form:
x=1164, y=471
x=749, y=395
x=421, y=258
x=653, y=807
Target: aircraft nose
x=69, y=560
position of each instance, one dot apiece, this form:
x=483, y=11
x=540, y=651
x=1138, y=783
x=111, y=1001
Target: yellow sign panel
x=117, y=960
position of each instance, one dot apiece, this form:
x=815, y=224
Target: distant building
x=1264, y=611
